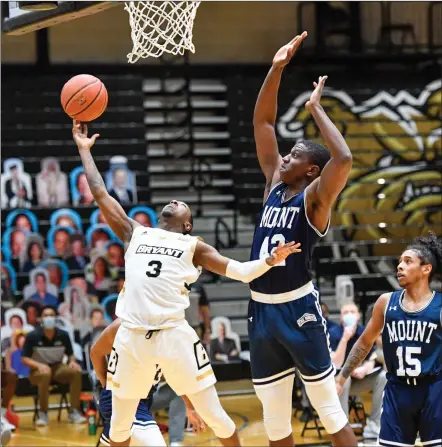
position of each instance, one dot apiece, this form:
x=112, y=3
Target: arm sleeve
x=246, y=271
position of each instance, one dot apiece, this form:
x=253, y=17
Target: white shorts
x=178, y=351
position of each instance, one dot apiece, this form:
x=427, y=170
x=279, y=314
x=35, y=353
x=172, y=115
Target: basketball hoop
x=161, y=26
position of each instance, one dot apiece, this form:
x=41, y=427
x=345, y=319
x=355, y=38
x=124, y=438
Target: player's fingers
x=94, y=137
x=294, y=40
x=315, y=84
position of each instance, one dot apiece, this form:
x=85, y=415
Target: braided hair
x=429, y=251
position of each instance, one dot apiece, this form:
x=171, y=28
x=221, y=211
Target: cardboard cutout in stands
x=15, y=320
x=15, y=185
x=6, y=256
x=40, y=289
x=58, y=272
x=34, y=254
x=66, y=217
x=97, y=217
x=109, y=304
x=22, y=219
x=115, y=253
x=216, y=325
x=58, y=240
x=98, y=235
x=8, y=273
x=52, y=184
x=144, y=216
x=75, y=307
x=14, y=242
x=80, y=191
x=120, y=181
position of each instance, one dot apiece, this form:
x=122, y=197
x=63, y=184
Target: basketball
x=84, y=97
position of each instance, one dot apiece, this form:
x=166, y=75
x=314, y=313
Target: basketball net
x=161, y=26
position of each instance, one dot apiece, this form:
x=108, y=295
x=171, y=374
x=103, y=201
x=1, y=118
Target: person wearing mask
x=43, y=353
x=42, y=296
x=367, y=377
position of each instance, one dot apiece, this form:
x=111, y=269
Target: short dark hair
x=318, y=154
x=49, y=307
x=40, y=274
x=429, y=251
x=31, y=244
x=77, y=237
x=96, y=309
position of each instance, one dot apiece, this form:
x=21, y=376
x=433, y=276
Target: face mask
x=49, y=322
x=350, y=320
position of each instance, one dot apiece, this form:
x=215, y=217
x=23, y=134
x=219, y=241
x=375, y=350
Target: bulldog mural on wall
x=395, y=140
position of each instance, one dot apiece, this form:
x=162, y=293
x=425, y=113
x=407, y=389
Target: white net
x=161, y=26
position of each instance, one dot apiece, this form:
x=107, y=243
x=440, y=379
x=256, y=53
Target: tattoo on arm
x=94, y=179
x=355, y=358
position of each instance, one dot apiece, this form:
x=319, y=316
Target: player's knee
x=119, y=434
x=325, y=401
x=208, y=406
x=277, y=408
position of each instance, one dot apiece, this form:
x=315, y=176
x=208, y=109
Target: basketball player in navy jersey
x=411, y=324
x=286, y=327
x=145, y=431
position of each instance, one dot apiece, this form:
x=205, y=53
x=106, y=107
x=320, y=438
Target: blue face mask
x=49, y=322
x=350, y=320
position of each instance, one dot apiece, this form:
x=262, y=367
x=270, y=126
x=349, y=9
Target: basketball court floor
x=245, y=409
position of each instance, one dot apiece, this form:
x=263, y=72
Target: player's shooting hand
x=194, y=420
x=79, y=132
x=315, y=97
x=285, y=53
x=282, y=252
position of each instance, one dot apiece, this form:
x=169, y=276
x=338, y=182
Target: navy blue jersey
x=412, y=341
x=284, y=221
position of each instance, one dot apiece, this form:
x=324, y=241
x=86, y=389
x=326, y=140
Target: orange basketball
x=84, y=97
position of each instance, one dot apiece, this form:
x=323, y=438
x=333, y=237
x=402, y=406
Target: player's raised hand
x=315, y=97
x=79, y=133
x=282, y=252
x=285, y=53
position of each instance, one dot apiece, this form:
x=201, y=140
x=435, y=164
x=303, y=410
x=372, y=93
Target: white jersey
x=159, y=271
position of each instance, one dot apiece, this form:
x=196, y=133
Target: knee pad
x=324, y=398
x=276, y=399
x=208, y=406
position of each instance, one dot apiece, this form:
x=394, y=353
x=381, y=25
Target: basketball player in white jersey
x=160, y=265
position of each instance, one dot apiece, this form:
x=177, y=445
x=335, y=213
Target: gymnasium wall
x=224, y=32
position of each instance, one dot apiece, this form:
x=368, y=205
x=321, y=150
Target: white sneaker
x=176, y=444
x=76, y=417
x=42, y=419
x=371, y=430
x=6, y=425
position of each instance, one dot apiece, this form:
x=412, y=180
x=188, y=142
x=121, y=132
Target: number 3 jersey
x=284, y=221
x=158, y=272
x=412, y=341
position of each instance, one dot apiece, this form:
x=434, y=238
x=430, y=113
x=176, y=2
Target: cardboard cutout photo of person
x=97, y=217
x=15, y=320
x=40, y=289
x=33, y=312
x=109, y=304
x=52, y=184
x=66, y=217
x=14, y=243
x=23, y=220
x=144, y=216
x=58, y=272
x=16, y=185
x=34, y=254
x=98, y=235
x=8, y=276
x=59, y=243
x=120, y=181
x=115, y=254
x=80, y=191
x=75, y=307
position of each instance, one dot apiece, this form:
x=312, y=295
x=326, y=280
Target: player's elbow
x=345, y=159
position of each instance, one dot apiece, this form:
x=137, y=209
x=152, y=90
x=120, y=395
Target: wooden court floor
x=245, y=410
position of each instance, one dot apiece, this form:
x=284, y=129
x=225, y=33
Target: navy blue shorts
x=411, y=409
x=288, y=336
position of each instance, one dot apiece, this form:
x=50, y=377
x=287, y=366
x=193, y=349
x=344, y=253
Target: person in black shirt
x=43, y=352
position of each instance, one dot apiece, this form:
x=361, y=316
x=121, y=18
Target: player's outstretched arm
x=333, y=178
x=266, y=108
x=365, y=342
x=208, y=257
x=103, y=347
x=113, y=212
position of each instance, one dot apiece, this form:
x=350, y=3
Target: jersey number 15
x=414, y=367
